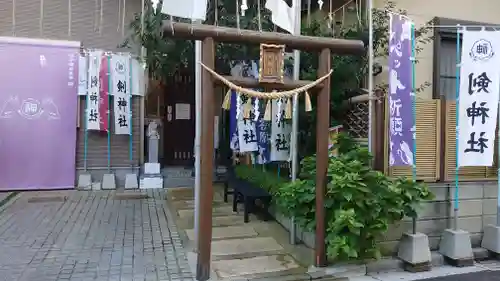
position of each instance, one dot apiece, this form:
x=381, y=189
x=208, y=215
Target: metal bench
x=247, y=193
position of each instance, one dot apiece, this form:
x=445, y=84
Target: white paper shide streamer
x=282, y=15
x=188, y=9
x=280, y=133
x=478, y=97
x=121, y=91
x=82, y=75
x=93, y=85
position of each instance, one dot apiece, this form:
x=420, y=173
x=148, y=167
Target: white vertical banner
x=280, y=132
x=478, y=97
x=82, y=74
x=121, y=90
x=282, y=15
x=93, y=86
x=188, y=9
x=247, y=135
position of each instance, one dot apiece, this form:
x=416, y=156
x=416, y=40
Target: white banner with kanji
x=247, y=134
x=121, y=91
x=478, y=97
x=93, y=117
x=280, y=132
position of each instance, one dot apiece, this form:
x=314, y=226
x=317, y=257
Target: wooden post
x=206, y=163
x=442, y=138
x=322, y=126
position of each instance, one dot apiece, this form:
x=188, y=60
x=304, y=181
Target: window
x=447, y=68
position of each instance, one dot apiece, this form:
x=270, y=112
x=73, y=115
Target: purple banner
x=402, y=127
x=38, y=110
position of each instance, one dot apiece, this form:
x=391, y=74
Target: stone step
x=245, y=248
x=259, y=267
x=189, y=204
x=216, y=212
x=227, y=232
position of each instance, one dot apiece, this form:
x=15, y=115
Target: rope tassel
x=268, y=111
x=226, y=103
x=288, y=109
x=308, y=102
x=248, y=108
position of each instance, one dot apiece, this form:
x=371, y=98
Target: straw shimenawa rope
x=264, y=95
x=226, y=104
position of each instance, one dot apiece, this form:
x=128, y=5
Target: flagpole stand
x=131, y=181
x=85, y=181
x=108, y=181
x=491, y=238
x=456, y=247
x=415, y=253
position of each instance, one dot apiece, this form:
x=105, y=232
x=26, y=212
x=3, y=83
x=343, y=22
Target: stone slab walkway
x=241, y=250
x=80, y=235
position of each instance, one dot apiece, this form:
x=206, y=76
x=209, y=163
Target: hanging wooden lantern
x=271, y=67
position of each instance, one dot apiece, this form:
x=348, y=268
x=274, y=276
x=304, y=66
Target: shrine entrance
x=271, y=79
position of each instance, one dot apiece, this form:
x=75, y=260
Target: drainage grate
x=130, y=196
x=47, y=199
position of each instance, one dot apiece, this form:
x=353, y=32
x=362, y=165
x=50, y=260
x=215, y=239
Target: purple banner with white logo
x=38, y=111
x=402, y=127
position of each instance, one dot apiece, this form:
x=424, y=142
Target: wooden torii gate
x=208, y=34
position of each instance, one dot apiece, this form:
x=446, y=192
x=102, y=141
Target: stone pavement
x=479, y=276
x=480, y=271
x=80, y=235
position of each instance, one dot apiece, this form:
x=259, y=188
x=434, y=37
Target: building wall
x=423, y=11
x=477, y=208
x=85, y=18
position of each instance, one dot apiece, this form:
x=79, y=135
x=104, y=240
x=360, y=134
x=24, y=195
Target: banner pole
x=498, y=169
x=295, y=113
x=109, y=111
x=130, y=145
x=414, y=133
x=457, y=96
x=85, y=125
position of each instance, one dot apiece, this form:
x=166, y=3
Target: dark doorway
x=179, y=119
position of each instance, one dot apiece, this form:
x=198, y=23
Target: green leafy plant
x=265, y=179
x=360, y=202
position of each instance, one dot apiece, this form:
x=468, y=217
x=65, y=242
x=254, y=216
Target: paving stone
x=252, y=266
x=217, y=211
x=227, y=232
x=90, y=236
x=235, y=248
